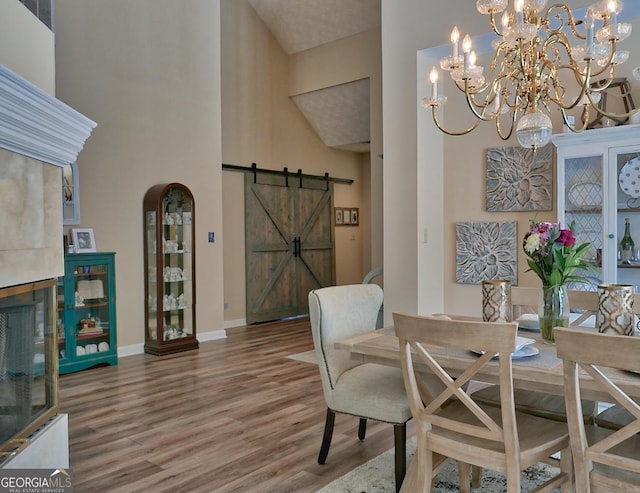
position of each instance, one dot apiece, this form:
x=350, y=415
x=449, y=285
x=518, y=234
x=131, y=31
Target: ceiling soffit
x=339, y=114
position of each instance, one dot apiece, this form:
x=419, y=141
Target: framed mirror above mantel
x=70, y=194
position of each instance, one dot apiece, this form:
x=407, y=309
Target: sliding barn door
x=289, y=244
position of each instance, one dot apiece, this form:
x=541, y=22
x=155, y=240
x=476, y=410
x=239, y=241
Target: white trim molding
x=35, y=124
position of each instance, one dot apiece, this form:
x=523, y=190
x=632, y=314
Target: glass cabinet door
x=584, y=196
x=625, y=167
x=92, y=317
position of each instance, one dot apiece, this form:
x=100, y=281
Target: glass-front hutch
x=599, y=189
x=169, y=259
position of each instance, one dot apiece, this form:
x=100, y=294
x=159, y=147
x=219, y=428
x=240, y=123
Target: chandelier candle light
x=533, y=60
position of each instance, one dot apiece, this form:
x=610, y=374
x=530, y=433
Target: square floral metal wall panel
x=520, y=179
x=486, y=250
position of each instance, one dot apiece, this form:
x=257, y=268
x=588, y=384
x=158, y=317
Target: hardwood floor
x=235, y=415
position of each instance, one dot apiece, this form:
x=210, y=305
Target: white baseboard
x=212, y=336
x=240, y=322
x=132, y=349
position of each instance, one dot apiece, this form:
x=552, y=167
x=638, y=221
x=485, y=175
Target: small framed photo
x=346, y=216
x=354, y=217
x=339, y=215
x=83, y=240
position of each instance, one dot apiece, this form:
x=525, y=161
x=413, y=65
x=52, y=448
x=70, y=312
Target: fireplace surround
x=38, y=136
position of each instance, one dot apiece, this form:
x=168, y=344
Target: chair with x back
x=497, y=438
x=366, y=390
x=605, y=460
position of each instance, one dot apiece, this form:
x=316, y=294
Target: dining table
x=541, y=370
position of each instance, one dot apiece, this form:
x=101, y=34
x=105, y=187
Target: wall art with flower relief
x=485, y=251
x=519, y=179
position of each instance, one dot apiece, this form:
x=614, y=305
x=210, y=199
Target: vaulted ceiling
x=339, y=114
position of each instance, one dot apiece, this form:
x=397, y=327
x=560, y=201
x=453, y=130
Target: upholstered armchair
x=365, y=390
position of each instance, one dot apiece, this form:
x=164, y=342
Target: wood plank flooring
x=235, y=415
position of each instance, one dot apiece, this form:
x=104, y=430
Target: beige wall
x=261, y=124
x=26, y=45
x=148, y=72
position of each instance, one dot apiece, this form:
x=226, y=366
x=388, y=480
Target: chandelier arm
x=571, y=22
x=492, y=22
x=585, y=122
x=613, y=116
x=474, y=105
x=511, y=127
x=582, y=81
x=434, y=113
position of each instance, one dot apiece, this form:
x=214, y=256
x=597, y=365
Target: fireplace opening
x=28, y=362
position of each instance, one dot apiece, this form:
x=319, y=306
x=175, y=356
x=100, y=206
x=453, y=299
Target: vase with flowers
x=554, y=256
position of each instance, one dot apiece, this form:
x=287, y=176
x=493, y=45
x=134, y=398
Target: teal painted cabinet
x=87, y=312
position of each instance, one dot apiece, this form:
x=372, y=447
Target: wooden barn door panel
x=316, y=266
x=279, y=273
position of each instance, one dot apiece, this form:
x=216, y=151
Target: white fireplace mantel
x=36, y=131
x=37, y=125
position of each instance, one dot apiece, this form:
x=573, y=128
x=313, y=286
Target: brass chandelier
x=533, y=63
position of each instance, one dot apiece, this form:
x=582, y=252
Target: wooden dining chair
x=525, y=301
x=497, y=438
x=366, y=390
x=616, y=416
x=605, y=460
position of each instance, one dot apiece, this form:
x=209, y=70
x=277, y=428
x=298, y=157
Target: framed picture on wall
x=346, y=216
x=339, y=215
x=354, y=217
x=83, y=240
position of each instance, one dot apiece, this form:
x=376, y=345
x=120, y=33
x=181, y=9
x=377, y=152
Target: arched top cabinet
x=169, y=269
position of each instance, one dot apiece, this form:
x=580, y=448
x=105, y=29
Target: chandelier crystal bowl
x=543, y=58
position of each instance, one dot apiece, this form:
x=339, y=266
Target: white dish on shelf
x=586, y=195
x=629, y=177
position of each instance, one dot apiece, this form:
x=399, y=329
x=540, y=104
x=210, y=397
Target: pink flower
x=566, y=238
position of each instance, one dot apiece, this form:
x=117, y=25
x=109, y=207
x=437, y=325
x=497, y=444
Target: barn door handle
x=296, y=246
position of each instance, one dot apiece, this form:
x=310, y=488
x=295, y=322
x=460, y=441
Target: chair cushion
x=372, y=391
x=614, y=417
x=541, y=404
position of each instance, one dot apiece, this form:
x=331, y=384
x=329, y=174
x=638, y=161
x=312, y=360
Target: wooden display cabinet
x=169, y=269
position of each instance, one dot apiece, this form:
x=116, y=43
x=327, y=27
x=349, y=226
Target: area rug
x=377, y=476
